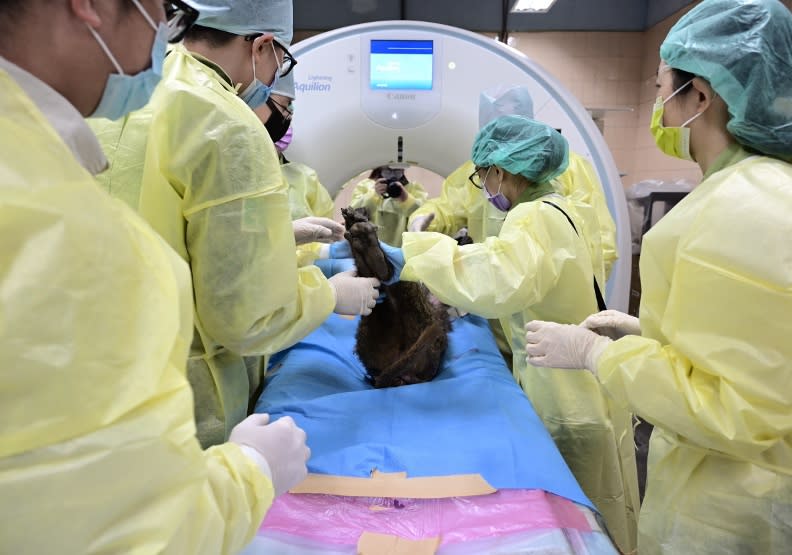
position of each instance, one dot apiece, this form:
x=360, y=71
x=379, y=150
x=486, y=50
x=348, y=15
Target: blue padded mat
x=473, y=418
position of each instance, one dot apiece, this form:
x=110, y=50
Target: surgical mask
x=286, y=140
x=673, y=141
x=257, y=93
x=277, y=124
x=126, y=93
x=498, y=200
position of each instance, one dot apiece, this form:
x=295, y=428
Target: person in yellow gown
x=709, y=361
x=390, y=198
x=460, y=205
x=199, y=166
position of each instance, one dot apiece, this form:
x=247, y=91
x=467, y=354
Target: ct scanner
x=408, y=91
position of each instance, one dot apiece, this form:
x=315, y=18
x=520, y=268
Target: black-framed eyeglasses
x=287, y=111
x=474, y=178
x=181, y=17
x=288, y=62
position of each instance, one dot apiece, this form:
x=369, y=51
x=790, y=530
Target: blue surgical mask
x=498, y=200
x=257, y=93
x=126, y=93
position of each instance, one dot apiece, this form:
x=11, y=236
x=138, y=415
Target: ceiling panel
x=486, y=15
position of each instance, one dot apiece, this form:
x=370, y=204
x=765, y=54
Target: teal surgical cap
x=743, y=48
x=504, y=101
x=247, y=17
x=522, y=146
x=285, y=86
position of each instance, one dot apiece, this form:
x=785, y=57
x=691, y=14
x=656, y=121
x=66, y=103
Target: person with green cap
x=537, y=266
x=709, y=361
x=198, y=165
x=460, y=205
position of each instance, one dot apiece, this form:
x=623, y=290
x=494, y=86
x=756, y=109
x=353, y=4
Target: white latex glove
x=312, y=229
x=553, y=345
x=421, y=223
x=282, y=444
x=354, y=295
x=613, y=324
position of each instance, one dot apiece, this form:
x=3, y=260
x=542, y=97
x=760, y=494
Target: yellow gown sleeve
x=307, y=196
x=319, y=199
x=502, y=275
x=364, y=196
x=451, y=209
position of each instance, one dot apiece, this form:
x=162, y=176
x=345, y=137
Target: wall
x=603, y=70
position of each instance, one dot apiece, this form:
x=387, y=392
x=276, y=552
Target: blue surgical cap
x=522, y=146
x=247, y=17
x=504, y=101
x=743, y=48
x=285, y=86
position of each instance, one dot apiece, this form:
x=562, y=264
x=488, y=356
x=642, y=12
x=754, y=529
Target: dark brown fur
x=404, y=338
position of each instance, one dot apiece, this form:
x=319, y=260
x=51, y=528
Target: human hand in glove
x=613, y=324
x=281, y=444
x=553, y=345
x=354, y=295
x=421, y=223
x=312, y=229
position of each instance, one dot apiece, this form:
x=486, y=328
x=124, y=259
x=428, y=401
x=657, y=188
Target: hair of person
x=680, y=78
x=213, y=37
x=7, y=7
x=376, y=173
x=12, y=12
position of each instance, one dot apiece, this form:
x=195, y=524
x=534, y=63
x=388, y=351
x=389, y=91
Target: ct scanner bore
x=408, y=91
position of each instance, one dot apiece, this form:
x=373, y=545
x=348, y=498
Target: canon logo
x=400, y=96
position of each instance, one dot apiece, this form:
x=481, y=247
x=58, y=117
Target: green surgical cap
x=504, y=101
x=522, y=146
x=247, y=17
x=743, y=48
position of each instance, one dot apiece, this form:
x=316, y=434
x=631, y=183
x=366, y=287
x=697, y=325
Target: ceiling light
x=536, y=6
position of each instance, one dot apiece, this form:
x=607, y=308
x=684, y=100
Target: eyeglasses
x=287, y=111
x=288, y=62
x=391, y=173
x=181, y=17
x=474, y=178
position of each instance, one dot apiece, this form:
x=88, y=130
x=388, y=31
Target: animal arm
x=404, y=338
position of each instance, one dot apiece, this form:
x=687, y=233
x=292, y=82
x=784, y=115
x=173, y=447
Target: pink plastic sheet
x=341, y=520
